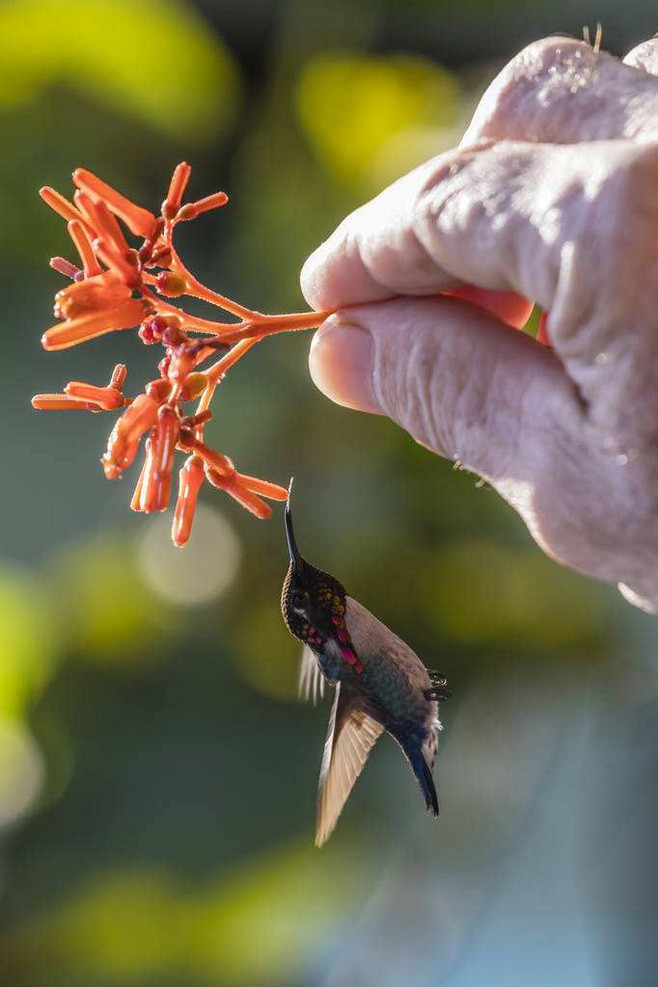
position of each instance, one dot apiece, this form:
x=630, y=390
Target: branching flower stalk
x=116, y=286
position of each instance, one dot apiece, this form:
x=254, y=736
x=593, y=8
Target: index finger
x=495, y=215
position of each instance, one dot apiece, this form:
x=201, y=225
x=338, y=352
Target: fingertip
x=310, y=279
x=341, y=364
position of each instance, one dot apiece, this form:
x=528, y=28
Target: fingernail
x=341, y=364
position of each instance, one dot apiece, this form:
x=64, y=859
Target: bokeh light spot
x=199, y=573
x=21, y=771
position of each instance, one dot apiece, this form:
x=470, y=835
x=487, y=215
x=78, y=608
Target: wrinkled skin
x=552, y=197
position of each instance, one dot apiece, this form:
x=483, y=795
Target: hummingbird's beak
x=293, y=551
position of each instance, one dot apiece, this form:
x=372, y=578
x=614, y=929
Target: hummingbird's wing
x=311, y=679
x=350, y=738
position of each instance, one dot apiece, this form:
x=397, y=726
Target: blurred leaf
x=531, y=327
x=480, y=592
x=157, y=61
x=109, y=614
x=352, y=106
x=135, y=923
x=28, y=641
x=289, y=900
x=266, y=657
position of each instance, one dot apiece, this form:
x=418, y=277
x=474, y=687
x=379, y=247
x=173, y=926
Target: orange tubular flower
x=160, y=452
x=231, y=484
x=93, y=294
x=61, y=205
x=106, y=398
x=263, y=487
x=139, y=221
x=126, y=435
x=84, y=327
x=190, y=480
x=129, y=286
x=78, y=234
x=59, y=402
x=177, y=186
x=88, y=396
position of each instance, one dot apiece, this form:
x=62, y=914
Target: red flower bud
x=65, y=267
x=162, y=328
x=147, y=248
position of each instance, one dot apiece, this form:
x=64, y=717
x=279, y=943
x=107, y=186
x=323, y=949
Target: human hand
x=552, y=196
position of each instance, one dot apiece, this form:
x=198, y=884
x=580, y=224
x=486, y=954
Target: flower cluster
x=116, y=285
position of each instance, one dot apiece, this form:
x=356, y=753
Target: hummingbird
x=381, y=685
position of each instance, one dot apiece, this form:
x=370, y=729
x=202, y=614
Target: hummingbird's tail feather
x=423, y=773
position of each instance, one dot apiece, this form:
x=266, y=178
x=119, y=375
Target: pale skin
x=551, y=197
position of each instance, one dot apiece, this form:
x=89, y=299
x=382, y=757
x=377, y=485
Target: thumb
x=456, y=378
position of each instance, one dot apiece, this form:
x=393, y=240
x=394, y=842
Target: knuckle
x=461, y=195
x=625, y=217
x=543, y=76
x=606, y=291
x=633, y=181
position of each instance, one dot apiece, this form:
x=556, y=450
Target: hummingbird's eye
x=299, y=600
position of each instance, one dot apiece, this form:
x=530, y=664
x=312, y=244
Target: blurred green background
x=157, y=774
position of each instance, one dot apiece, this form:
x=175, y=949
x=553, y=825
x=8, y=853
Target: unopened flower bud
x=195, y=385
x=194, y=209
x=177, y=186
x=162, y=328
x=147, y=248
x=170, y=284
x=65, y=267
